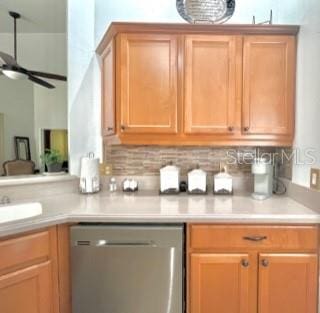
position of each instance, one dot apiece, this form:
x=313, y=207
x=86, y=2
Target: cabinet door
x=221, y=283
x=27, y=291
x=288, y=283
x=108, y=91
x=268, y=86
x=148, y=83
x=210, y=84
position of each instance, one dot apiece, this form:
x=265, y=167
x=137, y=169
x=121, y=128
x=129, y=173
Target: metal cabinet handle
x=110, y=128
x=123, y=127
x=245, y=263
x=231, y=128
x=255, y=238
x=265, y=263
x=246, y=129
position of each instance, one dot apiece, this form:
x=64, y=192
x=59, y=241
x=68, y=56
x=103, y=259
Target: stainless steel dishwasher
x=127, y=269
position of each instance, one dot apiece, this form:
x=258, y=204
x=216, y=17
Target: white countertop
x=149, y=207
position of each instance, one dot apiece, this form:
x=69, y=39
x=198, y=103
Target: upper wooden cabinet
x=176, y=84
x=268, y=85
x=210, y=84
x=108, y=91
x=147, y=87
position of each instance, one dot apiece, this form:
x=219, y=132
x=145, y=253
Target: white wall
x=83, y=103
x=106, y=11
x=16, y=104
x=308, y=91
x=2, y=159
x=46, y=108
x=93, y=22
x=39, y=51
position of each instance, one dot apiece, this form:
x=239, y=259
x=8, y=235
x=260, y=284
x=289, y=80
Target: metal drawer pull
x=265, y=263
x=245, y=263
x=255, y=238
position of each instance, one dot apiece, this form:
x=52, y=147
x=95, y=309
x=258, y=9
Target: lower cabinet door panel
x=27, y=291
x=222, y=283
x=288, y=283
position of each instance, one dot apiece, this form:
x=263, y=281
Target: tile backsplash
x=285, y=170
x=147, y=160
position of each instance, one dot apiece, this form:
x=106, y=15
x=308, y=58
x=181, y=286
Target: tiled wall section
x=147, y=160
x=284, y=156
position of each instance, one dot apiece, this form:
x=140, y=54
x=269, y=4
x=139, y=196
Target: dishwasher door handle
x=109, y=243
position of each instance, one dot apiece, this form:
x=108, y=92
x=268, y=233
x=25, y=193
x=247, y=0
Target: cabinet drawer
x=25, y=250
x=284, y=238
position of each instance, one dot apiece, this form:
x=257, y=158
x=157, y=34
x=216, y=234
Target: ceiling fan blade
x=48, y=75
x=41, y=82
x=7, y=59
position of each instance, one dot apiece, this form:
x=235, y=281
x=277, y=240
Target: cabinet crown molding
x=181, y=28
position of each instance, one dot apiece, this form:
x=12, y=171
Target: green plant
x=51, y=156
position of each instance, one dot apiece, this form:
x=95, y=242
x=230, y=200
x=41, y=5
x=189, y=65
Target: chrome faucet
x=5, y=200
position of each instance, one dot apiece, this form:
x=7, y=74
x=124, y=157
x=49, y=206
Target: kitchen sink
x=14, y=212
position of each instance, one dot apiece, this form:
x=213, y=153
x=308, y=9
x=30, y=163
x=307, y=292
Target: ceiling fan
x=10, y=67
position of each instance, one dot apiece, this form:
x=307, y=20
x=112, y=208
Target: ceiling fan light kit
x=14, y=74
x=11, y=69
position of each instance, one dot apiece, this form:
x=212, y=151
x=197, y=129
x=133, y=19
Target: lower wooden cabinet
x=230, y=269
x=28, y=290
x=221, y=283
x=288, y=283
x=259, y=277
x=34, y=273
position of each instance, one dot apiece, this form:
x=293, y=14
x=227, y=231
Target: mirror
x=33, y=118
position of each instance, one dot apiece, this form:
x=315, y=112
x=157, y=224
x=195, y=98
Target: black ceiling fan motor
x=14, y=14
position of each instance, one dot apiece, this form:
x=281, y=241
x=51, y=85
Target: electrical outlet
x=101, y=168
x=315, y=178
x=105, y=169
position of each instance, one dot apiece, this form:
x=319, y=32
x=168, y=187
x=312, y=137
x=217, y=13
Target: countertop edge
x=28, y=226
